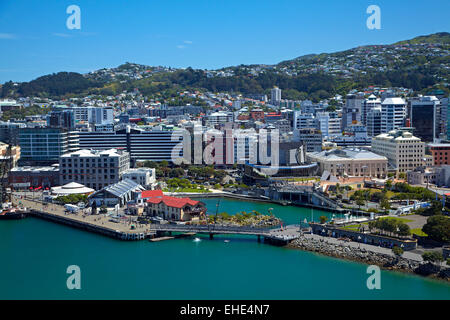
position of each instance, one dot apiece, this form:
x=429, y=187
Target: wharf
x=94, y=223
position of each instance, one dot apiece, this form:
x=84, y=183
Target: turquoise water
x=35, y=255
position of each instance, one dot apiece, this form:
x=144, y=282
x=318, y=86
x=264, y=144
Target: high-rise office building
x=142, y=145
x=351, y=113
x=393, y=114
x=368, y=104
x=425, y=117
x=373, y=122
x=43, y=146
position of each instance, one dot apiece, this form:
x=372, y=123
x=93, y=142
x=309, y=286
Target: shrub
x=432, y=256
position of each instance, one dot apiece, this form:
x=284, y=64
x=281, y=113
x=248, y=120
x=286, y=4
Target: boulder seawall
x=384, y=261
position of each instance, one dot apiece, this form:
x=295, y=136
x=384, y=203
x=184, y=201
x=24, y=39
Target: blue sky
x=35, y=41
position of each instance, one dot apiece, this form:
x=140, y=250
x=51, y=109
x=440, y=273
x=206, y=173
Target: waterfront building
x=146, y=177
x=350, y=162
x=44, y=146
x=172, y=208
x=25, y=177
x=71, y=188
x=425, y=118
x=404, y=151
x=117, y=194
x=94, y=168
x=393, y=114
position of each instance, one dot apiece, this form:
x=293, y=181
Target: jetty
x=130, y=230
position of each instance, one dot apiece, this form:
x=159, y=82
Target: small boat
x=226, y=241
x=197, y=240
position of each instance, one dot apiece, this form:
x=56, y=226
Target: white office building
x=329, y=124
x=404, y=151
x=393, y=114
x=304, y=120
x=146, y=177
x=369, y=104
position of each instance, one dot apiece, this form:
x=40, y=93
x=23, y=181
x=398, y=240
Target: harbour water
x=35, y=255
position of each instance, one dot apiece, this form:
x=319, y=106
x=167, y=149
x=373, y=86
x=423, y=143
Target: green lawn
x=419, y=232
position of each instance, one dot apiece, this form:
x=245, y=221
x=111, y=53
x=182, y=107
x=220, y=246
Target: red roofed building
x=172, y=208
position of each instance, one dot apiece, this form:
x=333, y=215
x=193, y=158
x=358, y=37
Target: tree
x=388, y=185
x=397, y=251
x=438, y=228
x=403, y=229
x=360, y=202
x=432, y=256
x=384, y=204
x=323, y=219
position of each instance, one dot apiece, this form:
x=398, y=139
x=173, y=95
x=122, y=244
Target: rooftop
x=346, y=154
x=397, y=101
x=94, y=153
x=123, y=187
